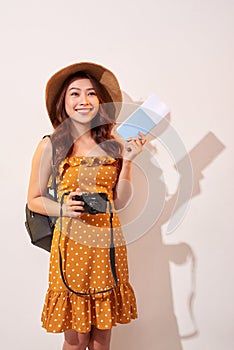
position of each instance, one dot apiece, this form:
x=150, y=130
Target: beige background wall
x=183, y=51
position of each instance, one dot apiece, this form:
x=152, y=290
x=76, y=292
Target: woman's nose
x=83, y=99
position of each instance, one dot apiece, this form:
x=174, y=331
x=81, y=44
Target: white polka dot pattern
x=86, y=262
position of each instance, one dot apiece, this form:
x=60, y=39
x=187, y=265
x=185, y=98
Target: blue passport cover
x=138, y=121
x=144, y=119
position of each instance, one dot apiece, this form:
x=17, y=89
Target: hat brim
x=103, y=75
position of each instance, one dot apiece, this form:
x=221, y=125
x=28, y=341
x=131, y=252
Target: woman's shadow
x=150, y=256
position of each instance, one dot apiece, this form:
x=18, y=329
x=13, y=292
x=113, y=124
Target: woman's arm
x=40, y=174
x=123, y=190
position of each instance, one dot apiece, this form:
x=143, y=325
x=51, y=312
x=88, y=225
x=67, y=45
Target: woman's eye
x=90, y=93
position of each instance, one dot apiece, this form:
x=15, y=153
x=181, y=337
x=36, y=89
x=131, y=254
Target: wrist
x=64, y=209
x=127, y=162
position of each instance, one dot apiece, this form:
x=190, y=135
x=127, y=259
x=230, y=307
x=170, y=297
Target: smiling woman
x=89, y=290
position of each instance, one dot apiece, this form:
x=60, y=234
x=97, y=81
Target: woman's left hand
x=133, y=147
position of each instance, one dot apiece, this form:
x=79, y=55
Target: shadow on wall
x=149, y=256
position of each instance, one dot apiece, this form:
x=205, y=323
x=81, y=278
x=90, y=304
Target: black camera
x=94, y=203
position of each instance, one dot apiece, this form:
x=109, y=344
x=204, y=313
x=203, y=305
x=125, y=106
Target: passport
x=144, y=118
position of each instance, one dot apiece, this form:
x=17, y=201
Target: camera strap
x=112, y=245
x=112, y=252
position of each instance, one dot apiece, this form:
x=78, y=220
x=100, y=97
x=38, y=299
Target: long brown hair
x=101, y=125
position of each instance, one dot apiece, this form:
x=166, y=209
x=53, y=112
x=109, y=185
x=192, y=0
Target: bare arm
x=40, y=174
x=124, y=188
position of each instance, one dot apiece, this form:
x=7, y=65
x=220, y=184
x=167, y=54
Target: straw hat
x=104, y=76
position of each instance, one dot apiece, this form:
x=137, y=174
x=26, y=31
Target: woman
x=90, y=293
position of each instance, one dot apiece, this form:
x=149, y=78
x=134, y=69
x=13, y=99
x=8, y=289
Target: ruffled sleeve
x=85, y=160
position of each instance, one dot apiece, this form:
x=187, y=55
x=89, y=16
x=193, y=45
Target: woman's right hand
x=73, y=208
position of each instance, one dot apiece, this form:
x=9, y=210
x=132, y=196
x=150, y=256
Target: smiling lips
x=84, y=110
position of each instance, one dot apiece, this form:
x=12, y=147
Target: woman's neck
x=81, y=130
x=84, y=144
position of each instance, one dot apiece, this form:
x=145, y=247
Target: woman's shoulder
x=45, y=142
x=44, y=148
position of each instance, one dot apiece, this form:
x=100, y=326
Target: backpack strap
x=53, y=177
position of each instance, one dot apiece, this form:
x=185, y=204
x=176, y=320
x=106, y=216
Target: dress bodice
x=89, y=174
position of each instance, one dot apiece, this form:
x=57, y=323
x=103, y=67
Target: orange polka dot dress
x=85, y=251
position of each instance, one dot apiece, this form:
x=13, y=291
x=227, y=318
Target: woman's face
x=81, y=102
